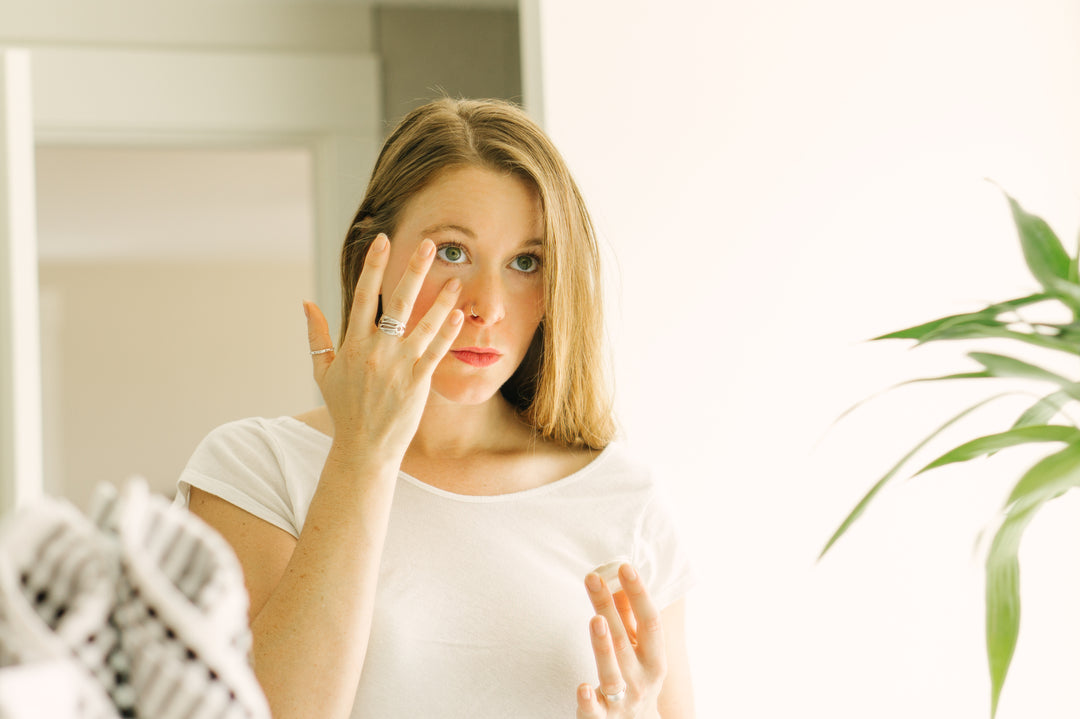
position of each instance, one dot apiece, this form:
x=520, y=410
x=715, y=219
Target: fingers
x=626, y=615
x=318, y=338
x=588, y=705
x=366, y=295
x=649, y=629
x=604, y=604
x=607, y=664
x=400, y=304
x=435, y=333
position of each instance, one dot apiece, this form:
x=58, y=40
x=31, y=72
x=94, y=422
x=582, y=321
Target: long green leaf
x=990, y=312
x=1003, y=600
x=1074, y=264
x=1043, y=251
x=869, y=496
x=1002, y=330
x=1067, y=292
x=1044, y=410
x=1049, y=478
x=1004, y=366
x=994, y=442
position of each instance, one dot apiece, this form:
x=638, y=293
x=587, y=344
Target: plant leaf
x=994, y=442
x=1042, y=411
x=1003, y=600
x=987, y=313
x=869, y=496
x=1043, y=251
x=1067, y=292
x=1049, y=478
x=1001, y=330
x=1004, y=366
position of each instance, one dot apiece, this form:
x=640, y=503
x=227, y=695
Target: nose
x=483, y=301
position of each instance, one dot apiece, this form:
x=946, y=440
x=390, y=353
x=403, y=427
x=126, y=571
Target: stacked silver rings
x=388, y=325
x=614, y=696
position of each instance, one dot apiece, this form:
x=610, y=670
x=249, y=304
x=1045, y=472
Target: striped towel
x=170, y=632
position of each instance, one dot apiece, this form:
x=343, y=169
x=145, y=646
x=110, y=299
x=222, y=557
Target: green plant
x=1057, y=273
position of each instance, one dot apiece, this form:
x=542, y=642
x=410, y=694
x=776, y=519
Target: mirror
x=179, y=229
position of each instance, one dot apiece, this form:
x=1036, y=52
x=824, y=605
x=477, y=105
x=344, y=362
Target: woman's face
x=488, y=232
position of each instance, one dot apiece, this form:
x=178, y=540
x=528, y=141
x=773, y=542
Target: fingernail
x=453, y=285
x=456, y=317
x=629, y=573
x=382, y=242
x=586, y=693
x=599, y=626
x=307, y=312
x=427, y=248
x=593, y=582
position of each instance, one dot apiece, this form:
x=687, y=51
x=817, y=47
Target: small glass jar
x=609, y=571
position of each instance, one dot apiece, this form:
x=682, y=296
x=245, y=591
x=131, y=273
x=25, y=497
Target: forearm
x=311, y=635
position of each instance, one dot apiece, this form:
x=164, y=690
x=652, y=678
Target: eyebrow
x=534, y=242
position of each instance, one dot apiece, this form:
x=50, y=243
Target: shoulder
x=258, y=445
x=619, y=464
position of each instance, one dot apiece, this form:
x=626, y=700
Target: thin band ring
x=472, y=312
x=614, y=696
x=389, y=326
x=322, y=351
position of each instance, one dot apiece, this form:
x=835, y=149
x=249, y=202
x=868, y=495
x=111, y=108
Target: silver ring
x=472, y=312
x=388, y=325
x=615, y=696
x=323, y=351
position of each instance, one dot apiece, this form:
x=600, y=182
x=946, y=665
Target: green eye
x=451, y=253
x=526, y=263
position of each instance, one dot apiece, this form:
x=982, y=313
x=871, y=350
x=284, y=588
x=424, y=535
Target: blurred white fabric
x=143, y=604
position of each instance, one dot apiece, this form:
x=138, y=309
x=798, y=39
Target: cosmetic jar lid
x=609, y=570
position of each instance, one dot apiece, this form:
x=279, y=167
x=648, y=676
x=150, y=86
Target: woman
x=416, y=546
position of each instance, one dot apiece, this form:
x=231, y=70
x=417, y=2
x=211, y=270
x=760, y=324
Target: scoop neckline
x=481, y=498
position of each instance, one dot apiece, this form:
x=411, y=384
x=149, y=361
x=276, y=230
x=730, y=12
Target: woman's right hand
x=376, y=385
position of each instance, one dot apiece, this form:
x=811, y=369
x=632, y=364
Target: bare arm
x=677, y=696
x=312, y=599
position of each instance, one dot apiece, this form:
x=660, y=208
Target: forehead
x=477, y=201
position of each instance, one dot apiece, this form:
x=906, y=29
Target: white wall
x=780, y=181
x=171, y=284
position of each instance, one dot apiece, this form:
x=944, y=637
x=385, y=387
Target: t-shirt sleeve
x=659, y=553
x=238, y=462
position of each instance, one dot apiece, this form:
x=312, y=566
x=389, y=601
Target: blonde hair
x=560, y=387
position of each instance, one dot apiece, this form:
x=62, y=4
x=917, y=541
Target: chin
x=464, y=390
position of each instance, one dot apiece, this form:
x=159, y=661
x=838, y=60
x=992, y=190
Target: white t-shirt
x=481, y=609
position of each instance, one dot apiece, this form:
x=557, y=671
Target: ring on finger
x=322, y=351
x=614, y=696
x=390, y=326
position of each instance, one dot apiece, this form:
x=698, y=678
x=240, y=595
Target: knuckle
x=363, y=296
x=397, y=307
x=602, y=602
x=620, y=644
x=425, y=327
x=652, y=624
x=418, y=265
x=430, y=357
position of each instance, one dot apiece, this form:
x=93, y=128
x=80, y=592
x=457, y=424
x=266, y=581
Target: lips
x=477, y=356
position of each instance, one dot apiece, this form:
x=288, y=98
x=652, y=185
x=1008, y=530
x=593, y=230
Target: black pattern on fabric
x=144, y=601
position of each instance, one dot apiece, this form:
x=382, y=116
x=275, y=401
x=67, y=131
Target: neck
x=448, y=430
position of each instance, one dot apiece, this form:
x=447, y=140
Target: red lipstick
x=477, y=356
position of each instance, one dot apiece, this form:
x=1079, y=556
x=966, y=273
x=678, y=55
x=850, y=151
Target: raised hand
x=376, y=384
x=628, y=643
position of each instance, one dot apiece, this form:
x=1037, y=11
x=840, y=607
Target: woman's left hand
x=628, y=642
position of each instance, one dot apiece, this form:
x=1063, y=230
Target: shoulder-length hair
x=560, y=388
